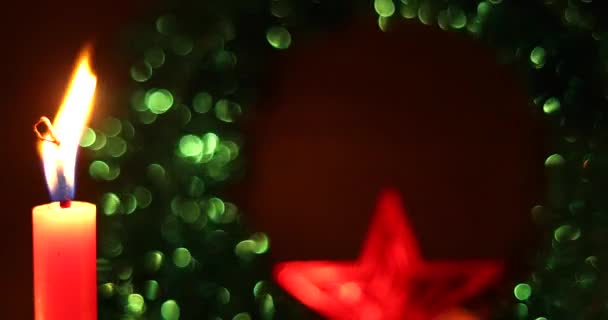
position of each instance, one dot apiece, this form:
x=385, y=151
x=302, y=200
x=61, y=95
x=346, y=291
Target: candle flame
x=59, y=145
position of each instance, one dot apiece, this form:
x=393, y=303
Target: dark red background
x=428, y=112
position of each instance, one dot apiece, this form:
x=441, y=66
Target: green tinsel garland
x=171, y=248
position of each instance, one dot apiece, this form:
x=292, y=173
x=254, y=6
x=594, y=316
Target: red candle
x=65, y=286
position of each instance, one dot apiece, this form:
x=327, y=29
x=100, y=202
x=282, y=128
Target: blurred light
x=190, y=145
x=159, y=100
x=88, y=138
x=99, y=143
x=135, y=304
x=111, y=127
x=141, y=71
x=537, y=57
x=169, y=310
x=153, y=260
x=181, y=257
x=555, y=160
x=181, y=45
x=151, y=289
x=155, y=57
x=99, y=170
x=116, y=147
x=143, y=197
x=384, y=8
x=223, y=295
x=278, y=37
x=551, y=105
x=242, y=316
x=110, y=203
x=166, y=24
x=567, y=233
x=202, y=102
x=522, y=291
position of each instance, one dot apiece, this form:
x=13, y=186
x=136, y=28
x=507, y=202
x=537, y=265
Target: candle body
x=65, y=280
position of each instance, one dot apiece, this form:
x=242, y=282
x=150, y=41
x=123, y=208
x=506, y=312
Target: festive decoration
x=64, y=234
x=170, y=246
x=390, y=280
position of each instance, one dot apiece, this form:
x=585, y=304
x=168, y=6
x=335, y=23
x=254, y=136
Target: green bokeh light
x=111, y=127
x=267, y=307
x=138, y=100
x=425, y=13
x=159, y=100
x=522, y=291
x=566, y=233
x=245, y=249
x=242, y=316
x=260, y=289
x=227, y=110
x=210, y=141
x=169, y=310
x=552, y=105
x=190, y=145
x=106, y=290
x=147, y=117
x=196, y=187
x=202, y=102
x=141, y=71
x=555, y=160
x=116, y=147
x=537, y=57
x=182, y=45
x=261, y=242
x=129, y=203
x=100, y=142
x=483, y=9
x=110, y=203
x=88, y=138
x=155, y=57
x=99, y=170
x=457, y=17
x=143, y=197
x=135, y=304
x=166, y=24
x=182, y=257
x=156, y=173
x=151, y=289
x=384, y=8
x=278, y=37
x=153, y=260
x=223, y=296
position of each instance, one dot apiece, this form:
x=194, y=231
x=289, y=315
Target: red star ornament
x=390, y=280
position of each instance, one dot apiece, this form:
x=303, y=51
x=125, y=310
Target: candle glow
x=69, y=123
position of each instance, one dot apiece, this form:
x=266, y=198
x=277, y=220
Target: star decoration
x=390, y=280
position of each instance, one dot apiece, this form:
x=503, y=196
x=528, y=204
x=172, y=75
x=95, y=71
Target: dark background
x=427, y=112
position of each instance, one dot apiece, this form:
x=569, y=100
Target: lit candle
x=64, y=230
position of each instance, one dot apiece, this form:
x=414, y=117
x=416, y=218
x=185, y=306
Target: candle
x=64, y=230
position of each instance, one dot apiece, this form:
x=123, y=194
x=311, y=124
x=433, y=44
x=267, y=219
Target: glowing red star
x=390, y=280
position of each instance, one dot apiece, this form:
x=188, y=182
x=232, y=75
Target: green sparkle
x=153, y=260
x=147, y=117
x=155, y=57
x=135, y=304
x=111, y=127
x=409, y=9
x=210, y=140
x=159, y=100
x=88, y=138
x=259, y=289
x=383, y=23
x=245, y=249
x=169, y=310
x=110, y=203
x=181, y=257
x=143, y=197
x=267, y=307
x=521, y=311
x=141, y=71
x=166, y=24
x=151, y=289
x=483, y=8
x=182, y=45
x=106, y=290
x=227, y=110
x=425, y=13
x=555, y=160
x=129, y=203
x=458, y=18
x=223, y=296
x=384, y=8
x=125, y=273
x=224, y=60
x=280, y=9
x=116, y=147
x=189, y=211
x=278, y=37
x=196, y=187
x=138, y=100
x=128, y=131
x=242, y=316
x=443, y=20
x=202, y=102
x=541, y=318
x=156, y=172
x=190, y=145
x=537, y=57
x=566, y=233
x=261, y=242
x=522, y=291
x=215, y=209
x=551, y=105
x=100, y=142
x=99, y=170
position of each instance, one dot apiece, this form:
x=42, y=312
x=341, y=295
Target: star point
x=390, y=280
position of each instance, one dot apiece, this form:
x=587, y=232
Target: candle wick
x=49, y=134
x=65, y=203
